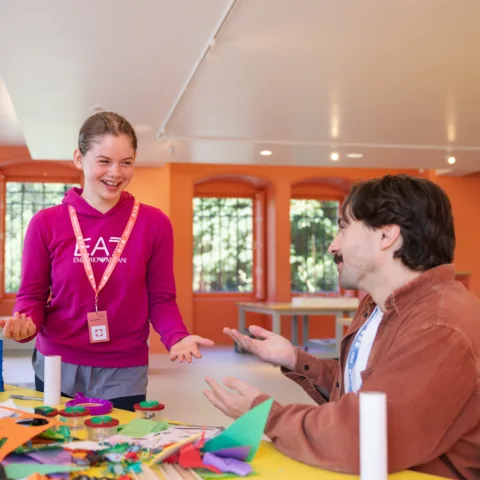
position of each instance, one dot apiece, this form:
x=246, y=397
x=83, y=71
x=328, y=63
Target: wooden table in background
x=337, y=307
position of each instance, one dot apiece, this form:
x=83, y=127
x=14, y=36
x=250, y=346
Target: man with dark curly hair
x=415, y=337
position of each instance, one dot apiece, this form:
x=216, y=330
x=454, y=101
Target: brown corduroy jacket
x=426, y=358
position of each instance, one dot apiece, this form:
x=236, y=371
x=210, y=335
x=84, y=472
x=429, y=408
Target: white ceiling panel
x=369, y=72
x=400, y=74
x=396, y=81
x=130, y=57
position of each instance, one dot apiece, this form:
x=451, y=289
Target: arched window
x=228, y=236
x=314, y=211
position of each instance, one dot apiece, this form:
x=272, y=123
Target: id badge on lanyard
x=98, y=321
x=354, y=350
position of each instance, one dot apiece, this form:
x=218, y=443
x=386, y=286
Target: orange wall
x=464, y=194
x=151, y=186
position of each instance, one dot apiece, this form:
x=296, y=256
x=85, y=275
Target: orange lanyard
x=116, y=254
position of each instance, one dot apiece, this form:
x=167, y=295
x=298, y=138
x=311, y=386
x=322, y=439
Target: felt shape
x=140, y=427
x=16, y=471
x=189, y=457
x=228, y=465
x=16, y=435
x=239, y=453
x=171, y=449
x=246, y=431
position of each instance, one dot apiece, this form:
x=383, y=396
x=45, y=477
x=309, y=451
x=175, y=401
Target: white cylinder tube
x=373, y=436
x=52, y=380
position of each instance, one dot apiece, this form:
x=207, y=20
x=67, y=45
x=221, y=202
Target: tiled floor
x=180, y=386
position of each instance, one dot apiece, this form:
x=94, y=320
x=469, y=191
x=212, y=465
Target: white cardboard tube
x=373, y=436
x=52, y=380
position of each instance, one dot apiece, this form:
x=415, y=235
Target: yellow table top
x=268, y=462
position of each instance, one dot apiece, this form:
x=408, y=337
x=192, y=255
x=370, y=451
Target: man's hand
x=19, y=327
x=232, y=404
x=188, y=346
x=273, y=349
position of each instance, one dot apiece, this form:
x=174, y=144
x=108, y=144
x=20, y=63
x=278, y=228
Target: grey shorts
x=106, y=383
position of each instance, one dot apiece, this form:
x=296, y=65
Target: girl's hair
x=104, y=123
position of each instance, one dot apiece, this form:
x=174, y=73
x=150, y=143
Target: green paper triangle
x=245, y=431
x=15, y=471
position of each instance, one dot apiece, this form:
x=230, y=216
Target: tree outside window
x=313, y=224
x=222, y=244
x=23, y=200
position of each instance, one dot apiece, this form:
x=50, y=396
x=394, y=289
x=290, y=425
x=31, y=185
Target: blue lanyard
x=354, y=349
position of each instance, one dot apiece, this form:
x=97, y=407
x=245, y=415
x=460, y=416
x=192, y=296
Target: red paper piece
x=173, y=458
x=190, y=458
x=201, y=442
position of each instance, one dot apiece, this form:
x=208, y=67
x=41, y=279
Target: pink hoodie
x=141, y=287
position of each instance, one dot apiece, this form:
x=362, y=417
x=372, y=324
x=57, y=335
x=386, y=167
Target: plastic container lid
x=75, y=412
x=151, y=405
x=101, y=422
x=46, y=411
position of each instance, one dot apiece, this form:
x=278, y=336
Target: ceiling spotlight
x=354, y=155
x=451, y=160
x=334, y=156
x=265, y=153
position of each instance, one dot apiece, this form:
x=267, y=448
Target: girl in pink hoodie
x=96, y=270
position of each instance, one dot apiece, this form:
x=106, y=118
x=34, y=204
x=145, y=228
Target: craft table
x=268, y=462
x=336, y=307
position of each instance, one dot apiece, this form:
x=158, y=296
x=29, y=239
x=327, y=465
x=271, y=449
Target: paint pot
x=101, y=428
x=49, y=412
x=74, y=417
x=149, y=410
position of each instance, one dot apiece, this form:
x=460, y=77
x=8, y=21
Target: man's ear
x=390, y=235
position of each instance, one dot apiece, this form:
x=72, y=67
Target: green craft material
x=75, y=410
x=161, y=426
x=245, y=431
x=208, y=474
x=101, y=420
x=141, y=427
x=149, y=404
x=16, y=471
x=45, y=410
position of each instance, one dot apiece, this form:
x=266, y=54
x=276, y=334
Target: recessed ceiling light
x=451, y=160
x=265, y=153
x=354, y=155
x=334, y=156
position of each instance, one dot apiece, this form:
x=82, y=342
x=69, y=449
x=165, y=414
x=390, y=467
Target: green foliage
x=222, y=244
x=313, y=225
x=23, y=200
